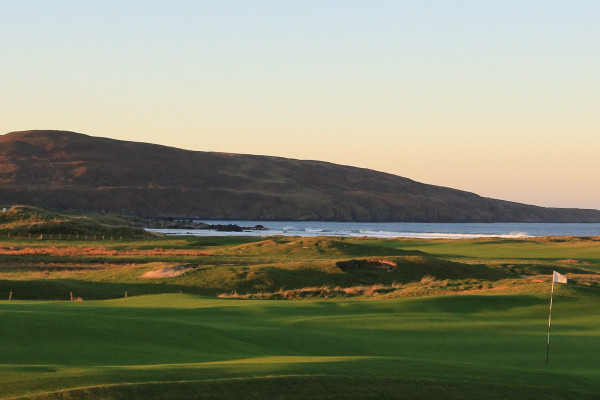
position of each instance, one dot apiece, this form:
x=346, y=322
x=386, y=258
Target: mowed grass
x=487, y=341
x=551, y=249
x=178, y=346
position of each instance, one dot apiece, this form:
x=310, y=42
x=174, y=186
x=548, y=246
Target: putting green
x=184, y=346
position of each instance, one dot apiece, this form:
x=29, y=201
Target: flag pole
x=549, y=320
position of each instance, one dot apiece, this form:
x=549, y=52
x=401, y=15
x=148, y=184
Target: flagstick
x=549, y=320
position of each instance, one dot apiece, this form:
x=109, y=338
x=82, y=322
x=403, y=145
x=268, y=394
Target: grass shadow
x=60, y=289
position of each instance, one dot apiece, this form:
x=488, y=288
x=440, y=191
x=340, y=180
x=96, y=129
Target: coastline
x=395, y=230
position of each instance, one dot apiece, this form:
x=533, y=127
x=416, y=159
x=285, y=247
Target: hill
x=27, y=221
x=70, y=171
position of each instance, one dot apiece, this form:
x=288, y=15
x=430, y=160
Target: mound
x=415, y=268
x=25, y=220
x=315, y=247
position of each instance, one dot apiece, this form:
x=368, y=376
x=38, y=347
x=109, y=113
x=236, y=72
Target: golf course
x=156, y=317
x=300, y=200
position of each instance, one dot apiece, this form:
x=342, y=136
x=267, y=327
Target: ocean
x=398, y=229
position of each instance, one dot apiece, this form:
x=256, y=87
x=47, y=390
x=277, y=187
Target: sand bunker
x=572, y=261
x=169, y=272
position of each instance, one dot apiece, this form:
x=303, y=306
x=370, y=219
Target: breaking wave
x=387, y=230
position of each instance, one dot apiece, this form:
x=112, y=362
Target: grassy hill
x=32, y=221
x=65, y=170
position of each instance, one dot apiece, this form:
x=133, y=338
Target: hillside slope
x=67, y=170
x=27, y=220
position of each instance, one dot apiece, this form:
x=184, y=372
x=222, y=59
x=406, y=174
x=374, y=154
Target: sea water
x=397, y=229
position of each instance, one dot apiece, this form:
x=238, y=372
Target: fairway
x=185, y=346
x=298, y=318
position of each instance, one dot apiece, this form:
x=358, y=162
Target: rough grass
x=30, y=222
x=35, y=269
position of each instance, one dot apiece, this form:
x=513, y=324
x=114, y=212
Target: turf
x=173, y=338
x=533, y=249
x=185, y=346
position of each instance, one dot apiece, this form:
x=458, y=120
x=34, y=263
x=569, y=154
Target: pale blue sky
x=499, y=98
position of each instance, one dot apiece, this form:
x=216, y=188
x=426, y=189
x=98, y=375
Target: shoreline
x=386, y=230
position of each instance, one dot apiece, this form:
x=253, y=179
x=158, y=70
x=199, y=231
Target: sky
x=500, y=98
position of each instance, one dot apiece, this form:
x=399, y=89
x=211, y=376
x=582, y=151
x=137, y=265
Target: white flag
x=559, y=278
